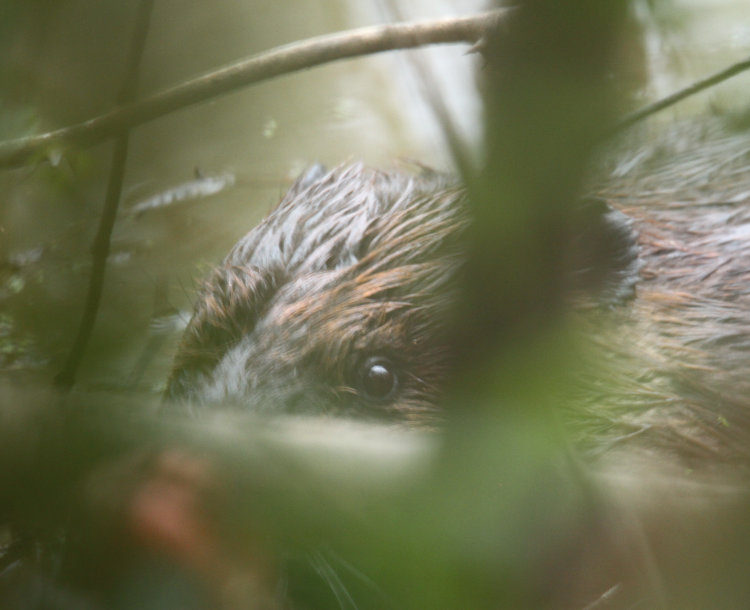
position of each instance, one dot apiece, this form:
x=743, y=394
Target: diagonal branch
x=678, y=96
x=276, y=62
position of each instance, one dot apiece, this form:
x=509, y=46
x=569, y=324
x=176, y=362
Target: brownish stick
x=276, y=62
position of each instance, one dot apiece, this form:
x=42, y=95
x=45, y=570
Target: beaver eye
x=378, y=378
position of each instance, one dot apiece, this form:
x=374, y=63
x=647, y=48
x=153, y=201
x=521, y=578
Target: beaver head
x=335, y=303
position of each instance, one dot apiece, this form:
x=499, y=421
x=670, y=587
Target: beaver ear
x=311, y=175
x=605, y=256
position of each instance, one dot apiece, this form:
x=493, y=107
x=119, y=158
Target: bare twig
x=678, y=96
x=100, y=247
x=276, y=62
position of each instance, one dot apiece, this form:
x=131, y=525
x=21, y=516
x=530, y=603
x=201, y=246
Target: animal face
x=336, y=303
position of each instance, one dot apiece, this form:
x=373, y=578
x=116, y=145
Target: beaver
x=338, y=302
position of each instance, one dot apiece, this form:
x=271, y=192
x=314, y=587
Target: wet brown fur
x=676, y=378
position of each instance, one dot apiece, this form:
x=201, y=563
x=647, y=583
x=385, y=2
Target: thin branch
x=678, y=96
x=100, y=247
x=276, y=62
